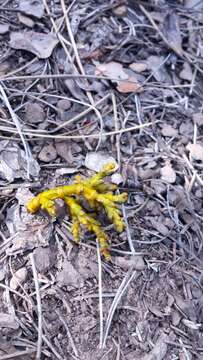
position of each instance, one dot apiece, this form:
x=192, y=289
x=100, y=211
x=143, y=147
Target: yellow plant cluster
x=97, y=193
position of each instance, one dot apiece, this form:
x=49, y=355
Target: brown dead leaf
x=112, y=70
x=37, y=43
x=138, y=67
x=132, y=85
x=115, y=72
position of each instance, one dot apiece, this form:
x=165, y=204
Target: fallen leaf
x=23, y=195
x=69, y=276
x=168, y=174
x=25, y=20
x=39, y=44
x=138, y=67
x=198, y=119
x=44, y=258
x=28, y=231
x=18, y=278
x=32, y=7
x=194, y=4
x=96, y=160
x=4, y=68
x=159, y=226
x=112, y=70
x=196, y=151
x=4, y=28
x=13, y=163
x=155, y=64
x=191, y=324
x=117, y=179
x=169, y=131
x=171, y=31
x=47, y=154
x=159, y=350
x=34, y=113
x=8, y=321
x=115, y=72
x=132, y=85
x=186, y=72
x=74, y=89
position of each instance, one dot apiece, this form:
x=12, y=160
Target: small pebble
x=96, y=160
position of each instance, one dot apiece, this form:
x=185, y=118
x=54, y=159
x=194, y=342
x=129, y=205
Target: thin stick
x=48, y=136
x=80, y=66
x=39, y=307
x=148, y=15
x=18, y=127
x=119, y=163
x=124, y=284
x=78, y=116
x=101, y=318
x=68, y=333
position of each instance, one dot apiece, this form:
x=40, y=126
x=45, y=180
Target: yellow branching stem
x=97, y=193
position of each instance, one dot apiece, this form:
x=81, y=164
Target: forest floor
x=82, y=83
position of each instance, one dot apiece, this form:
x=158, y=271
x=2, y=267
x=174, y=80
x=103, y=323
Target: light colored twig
x=39, y=308
x=49, y=136
x=68, y=332
x=124, y=284
x=101, y=318
x=18, y=127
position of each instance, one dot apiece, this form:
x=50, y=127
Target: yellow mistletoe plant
x=97, y=193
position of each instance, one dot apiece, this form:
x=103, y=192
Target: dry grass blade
x=48, y=136
x=119, y=163
x=126, y=281
x=68, y=333
x=39, y=308
x=100, y=297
